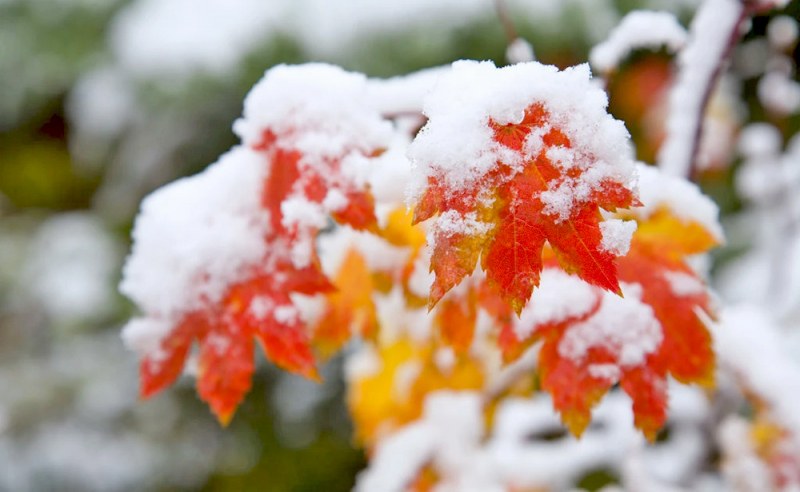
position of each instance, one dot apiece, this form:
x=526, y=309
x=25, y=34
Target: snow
x=637, y=30
x=456, y=146
x=658, y=190
x=709, y=34
x=626, y=327
x=782, y=32
x=403, y=94
x=158, y=38
x=742, y=467
x=362, y=363
x=70, y=267
x=750, y=344
x=759, y=140
x=779, y=93
x=317, y=109
x=453, y=222
x=192, y=239
x=617, y=235
x=450, y=426
x=378, y=254
x=519, y=51
x=684, y=284
x=299, y=211
x=560, y=296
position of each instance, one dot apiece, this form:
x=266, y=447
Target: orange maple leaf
x=349, y=309
x=674, y=294
x=506, y=221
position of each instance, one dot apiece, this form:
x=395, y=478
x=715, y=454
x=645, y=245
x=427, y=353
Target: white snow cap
x=193, y=238
x=639, y=29
x=318, y=109
x=456, y=146
x=560, y=296
x=625, y=326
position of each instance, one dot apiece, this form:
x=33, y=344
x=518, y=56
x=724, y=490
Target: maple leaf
x=349, y=309
x=313, y=179
x=511, y=216
x=664, y=286
x=259, y=308
x=675, y=292
x=400, y=375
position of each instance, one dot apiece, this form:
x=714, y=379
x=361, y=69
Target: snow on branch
x=639, y=29
x=714, y=31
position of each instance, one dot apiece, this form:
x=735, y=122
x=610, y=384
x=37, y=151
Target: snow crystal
x=639, y=29
x=709, y=34
x=453, y=222
x=560, y=296
x=684, y=199
x=456, y=146
x=617, y=235
x=194, y=237
x=625, y=326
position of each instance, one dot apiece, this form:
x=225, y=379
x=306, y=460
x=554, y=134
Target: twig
x=733, y=39
x=501, y=9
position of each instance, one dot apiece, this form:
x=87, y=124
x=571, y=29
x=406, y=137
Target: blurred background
x=102, y=101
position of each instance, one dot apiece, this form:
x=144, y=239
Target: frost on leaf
x=592, y=340
x=512, y=159
x=218, y=256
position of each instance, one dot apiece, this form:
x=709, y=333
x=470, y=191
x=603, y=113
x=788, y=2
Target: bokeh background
x=102, y=101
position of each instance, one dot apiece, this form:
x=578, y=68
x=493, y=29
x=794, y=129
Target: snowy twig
x=714, y=33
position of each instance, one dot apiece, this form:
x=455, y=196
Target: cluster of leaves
x=471, y=322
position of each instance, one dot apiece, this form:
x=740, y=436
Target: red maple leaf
x=507, y=220
x=259, y=308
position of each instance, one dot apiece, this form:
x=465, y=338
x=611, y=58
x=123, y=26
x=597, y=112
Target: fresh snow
x=456, y=146
x=638, y=30
x=192, y=239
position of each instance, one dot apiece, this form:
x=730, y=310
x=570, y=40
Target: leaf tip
x=224, y=417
